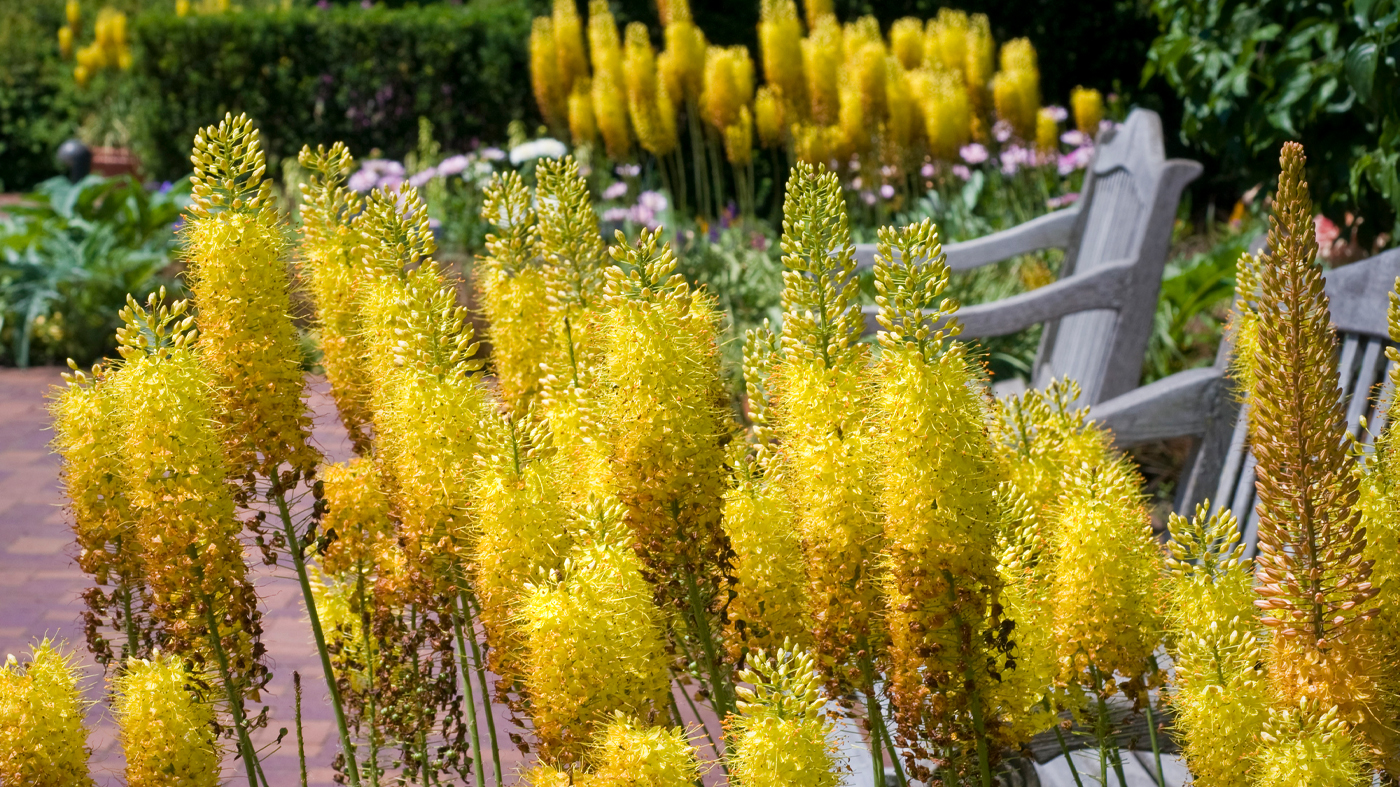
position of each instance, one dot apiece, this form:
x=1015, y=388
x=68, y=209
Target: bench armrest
x=1051, y=231
x=1175, y=406
x=1099, y=289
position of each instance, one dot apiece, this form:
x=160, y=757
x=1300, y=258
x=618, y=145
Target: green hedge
x=324, y=75
x=38, y=108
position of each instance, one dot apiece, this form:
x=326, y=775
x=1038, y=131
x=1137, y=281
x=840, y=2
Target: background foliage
x=1253, y=74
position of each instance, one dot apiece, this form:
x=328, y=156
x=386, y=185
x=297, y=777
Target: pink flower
x=1001, y=130
x=868, y=197
x=1013, y=158
x=1075, y=138
x=1057, y=113
x=1076, y=159
x=628, y=170
x=615, y=191
x=962, y=172
x=421, y=179
x=617, y=214
x=856, y=182
x=1055, y=203
x=453, y=165
x=973, y=154
x=1327, y=234
x=928, y=170
x=887, y=191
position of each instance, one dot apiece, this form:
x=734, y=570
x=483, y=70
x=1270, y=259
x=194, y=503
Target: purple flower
x=323, y=4
x=165, y=187
x=1001, y=130
x=1058, y=114
x=962, y=171
x=652, y=200
x=363, y=180
x=1076, y=159
x=928, y=170
x=453, y=165
x=887, y=191
x=1013, y=157
x=616, y=191
x=628, y=170
x=973, y=154
x=421, y=179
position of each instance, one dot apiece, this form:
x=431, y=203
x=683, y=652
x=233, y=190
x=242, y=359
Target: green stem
x=365, y=620
x=701, y=629
x=705, y=728
x=469, y=695
x=1152, y=725
x=294, y=546
x=1102, y=728
x=424, y=757
x=1064, y=747
x=894, y=755
x=468, y=602
x=301, y=739
x=979, y=724
x=235, y=700
x=131, y=643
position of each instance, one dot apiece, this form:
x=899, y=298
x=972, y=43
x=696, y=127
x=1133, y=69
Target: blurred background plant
x=70, y=253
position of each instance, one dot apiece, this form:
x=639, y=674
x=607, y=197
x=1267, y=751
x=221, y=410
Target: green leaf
x=1361, y=67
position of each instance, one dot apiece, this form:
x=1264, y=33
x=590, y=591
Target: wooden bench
x=1098, y=315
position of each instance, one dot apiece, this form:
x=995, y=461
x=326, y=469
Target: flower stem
x=979, y=724
x=469, y=695
x=1106, y=752
x=301, y=738
x=235, y=699
x=467, y=603
x=1064, y=747
x=294, y=546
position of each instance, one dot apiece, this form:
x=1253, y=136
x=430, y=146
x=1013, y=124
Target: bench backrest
x=1359, y=296
x=1130, y=200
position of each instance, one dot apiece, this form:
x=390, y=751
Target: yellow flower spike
x=780, y=46
x=821, y=397
x=770, y=605
x=947, y=113
x=781, y=736
x=1047, y=132
x=1016, y=88
x=583, y=126
x=237, y=253
x=357, y=513
x=593, y=640
x=65, y=42
x=73, y=12
x=173, y=469
x=1221, y=697
x=1302, y=746
x=1312, y=577
x=571, y=62
x=609, y=86
x=1027, y=600
x=43, y=740
x=574, y=258
x=738, y=139
x=728, y=86
x=770, y=114
x=1047, y=439
x=865, y=68
x=89, y=435
x=652, y=111
x=821, y=60
x=330, y=267
x=1087, y=107
x=947, y=35
x=660, y=352
x=167, y=725
x=630, y=754
x=980, y=63
x=513, y=296
x=551, y=92
x=682, y=65
x=1106, y=575
x=853, y=135
x=903, y=120
x=907, y=41
x=522, y=533
x=938, y=481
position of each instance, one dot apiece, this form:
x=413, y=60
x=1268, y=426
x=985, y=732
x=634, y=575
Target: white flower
x=493, y=154
x=628, y=170
x=544, y=147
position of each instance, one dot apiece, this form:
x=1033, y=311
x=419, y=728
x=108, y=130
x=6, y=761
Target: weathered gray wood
x=1051, y=231
x=1178, y=405
x=1098, y=316
x=1101, y=289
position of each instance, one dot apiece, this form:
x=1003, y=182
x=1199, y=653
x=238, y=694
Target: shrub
x=314, y=75
x=1255, y=74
